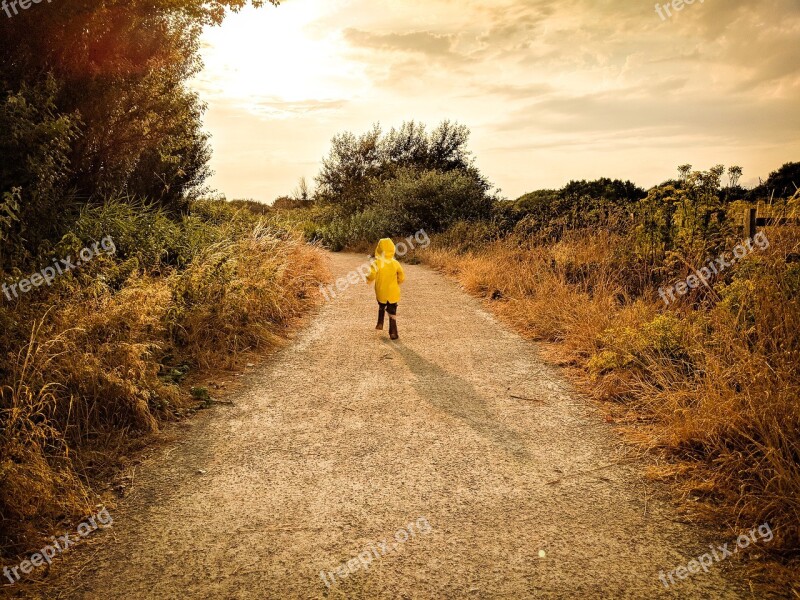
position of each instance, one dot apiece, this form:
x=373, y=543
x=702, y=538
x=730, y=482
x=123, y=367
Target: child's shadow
x=458, y=398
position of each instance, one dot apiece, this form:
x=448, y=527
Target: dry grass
x=83, y=367
x=712, y=385
x=242, y=296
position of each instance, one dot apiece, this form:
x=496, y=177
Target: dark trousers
x=383, y=308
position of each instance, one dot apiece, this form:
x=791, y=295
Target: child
x=387, y=274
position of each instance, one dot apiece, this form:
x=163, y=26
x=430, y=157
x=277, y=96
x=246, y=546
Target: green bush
x=664, y=339
x=413, y=201
x=469, y=236
x=433, y=200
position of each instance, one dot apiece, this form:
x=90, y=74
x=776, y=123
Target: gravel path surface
x=506, y=483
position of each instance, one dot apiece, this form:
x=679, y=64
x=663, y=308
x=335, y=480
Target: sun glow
x=273, y=62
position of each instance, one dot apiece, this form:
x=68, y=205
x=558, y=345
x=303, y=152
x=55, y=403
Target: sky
x=552, y=90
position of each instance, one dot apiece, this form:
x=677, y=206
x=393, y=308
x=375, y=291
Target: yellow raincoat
x=386, y=272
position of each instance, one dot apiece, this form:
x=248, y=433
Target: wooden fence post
x=749, y=222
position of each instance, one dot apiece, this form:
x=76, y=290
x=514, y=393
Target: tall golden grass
x=710, y=383
x=83, y=363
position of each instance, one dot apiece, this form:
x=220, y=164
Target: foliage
x=663, y=339
x=94, y=104
x=431, y=199
x=377, y=185
x=783, y=183
x=35, y=142
x=547, y=214
x=356, y=164
x=93, y=361
x=710, y=383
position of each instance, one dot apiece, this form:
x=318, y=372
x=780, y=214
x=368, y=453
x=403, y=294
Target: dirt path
x=345, y=438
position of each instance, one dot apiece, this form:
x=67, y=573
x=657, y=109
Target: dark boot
x=392, y=309
x=381, y=314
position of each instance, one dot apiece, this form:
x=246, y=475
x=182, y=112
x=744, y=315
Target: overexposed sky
x=552, y=90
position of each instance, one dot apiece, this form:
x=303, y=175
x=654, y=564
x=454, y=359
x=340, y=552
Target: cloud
x=278, y=107
x=423, y=42
x=629, y=112
x=515, y=91
x=578, y=88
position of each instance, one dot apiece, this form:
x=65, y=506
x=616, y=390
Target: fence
x=752, y=221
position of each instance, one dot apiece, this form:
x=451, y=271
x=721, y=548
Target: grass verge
x=94, y=363
x=711, y=383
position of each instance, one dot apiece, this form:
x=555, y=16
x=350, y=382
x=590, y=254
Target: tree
x=407, y=146
x=432, y=200
x=302, y=192
x=35, y=143
x=734, y=175
x=352, y=161
x=782, y=183
x=96, y=93
x=355, y=164
x=448, y=148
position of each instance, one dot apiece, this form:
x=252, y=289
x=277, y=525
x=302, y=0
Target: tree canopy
x=782, y=183
x=94, y=104
x=357, y=162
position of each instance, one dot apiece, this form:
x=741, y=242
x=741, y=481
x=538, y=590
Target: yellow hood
x=385, y=249
x=386, y=272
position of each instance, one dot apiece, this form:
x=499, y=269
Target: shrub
x=432, y=200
